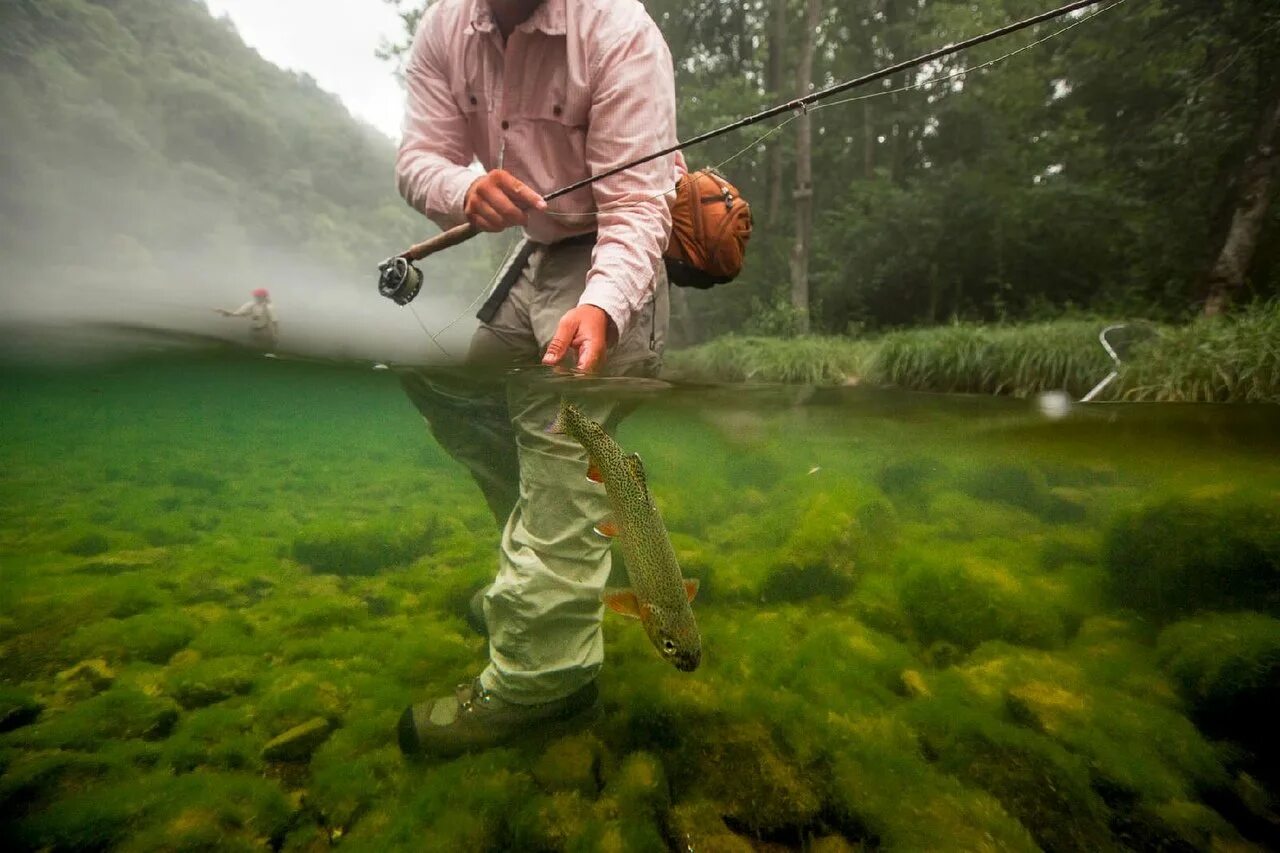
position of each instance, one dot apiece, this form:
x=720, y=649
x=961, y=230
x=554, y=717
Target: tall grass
x=1230, y=359
x=1212, y=360
x=807, y=360
x=1015, y=360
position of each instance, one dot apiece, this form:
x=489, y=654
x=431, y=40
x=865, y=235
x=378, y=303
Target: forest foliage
x=1095, y=170
x=141, y=131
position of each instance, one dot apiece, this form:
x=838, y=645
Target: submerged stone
x=299, y=742
x=1046, y=707
x=640, y=786
x=698, y=826
x=85, y=679
x=913, y=684
x=1178, y=556
x=1015, y=485
x=570, y=764
x=1227, y=668
x=204, y=682
x=153, y=637
x=88, y=545
x=95, y=674
x=120, y=713
x=755, y=786
x=969, y=600
x=17, y=708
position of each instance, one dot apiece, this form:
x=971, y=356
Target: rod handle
x=438, y=243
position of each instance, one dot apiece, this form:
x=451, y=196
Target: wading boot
x=474, y=719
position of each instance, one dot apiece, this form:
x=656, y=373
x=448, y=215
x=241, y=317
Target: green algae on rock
x=570, y=764
x=120, y=713
x=18, y=708
x=153, y=637
x=363, y=549
x=1178, y=555
x=299, y=742
x=1227, y=667
x=204, y=682
x=969, y=600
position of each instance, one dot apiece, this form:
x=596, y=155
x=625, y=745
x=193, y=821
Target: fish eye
x=669, y=647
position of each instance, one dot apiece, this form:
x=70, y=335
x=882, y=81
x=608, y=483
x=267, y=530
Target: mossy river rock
x=299, y=742
x=928, y=624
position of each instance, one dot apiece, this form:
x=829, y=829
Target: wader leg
x=544, y=608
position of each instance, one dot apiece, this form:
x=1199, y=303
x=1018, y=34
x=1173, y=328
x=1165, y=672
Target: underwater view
x=928, y=622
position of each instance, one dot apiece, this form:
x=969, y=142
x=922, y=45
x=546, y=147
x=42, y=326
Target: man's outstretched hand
x=587, y=329
x=498, y=200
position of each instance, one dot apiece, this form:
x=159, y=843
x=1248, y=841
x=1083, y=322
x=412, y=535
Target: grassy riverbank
x=1225, y=360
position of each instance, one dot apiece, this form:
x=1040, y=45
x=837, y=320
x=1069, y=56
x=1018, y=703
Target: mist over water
x=65, y=312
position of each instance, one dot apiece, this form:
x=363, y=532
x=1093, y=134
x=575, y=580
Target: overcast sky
x=333, y=41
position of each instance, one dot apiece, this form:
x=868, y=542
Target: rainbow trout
x=659, y=597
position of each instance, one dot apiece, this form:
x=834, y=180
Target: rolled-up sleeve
x=432, y=168
x=633, y=113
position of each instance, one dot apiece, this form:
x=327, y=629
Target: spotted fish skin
x=661, y=595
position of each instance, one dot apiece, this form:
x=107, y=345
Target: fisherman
x=542, y=93
x=264, y=330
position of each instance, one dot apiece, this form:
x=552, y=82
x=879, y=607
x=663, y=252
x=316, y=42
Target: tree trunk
x=1256, y=187
x=804, y=174
x=777, y=76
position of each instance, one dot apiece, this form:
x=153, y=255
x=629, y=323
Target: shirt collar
x=547, y=18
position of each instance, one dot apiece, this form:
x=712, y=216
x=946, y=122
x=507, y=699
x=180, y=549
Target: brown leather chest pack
x=710, y=226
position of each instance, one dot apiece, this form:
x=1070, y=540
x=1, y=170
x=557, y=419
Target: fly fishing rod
x=400, y=281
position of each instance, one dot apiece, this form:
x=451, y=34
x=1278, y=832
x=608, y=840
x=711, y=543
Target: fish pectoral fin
x=691, y=586
x=606, y=527
x=593, y=473
x=623, y=601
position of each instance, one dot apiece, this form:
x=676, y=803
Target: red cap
x=261, y=291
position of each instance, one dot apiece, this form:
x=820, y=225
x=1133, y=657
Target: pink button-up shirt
x=582, y=86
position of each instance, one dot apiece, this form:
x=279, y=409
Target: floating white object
x=1054, y=405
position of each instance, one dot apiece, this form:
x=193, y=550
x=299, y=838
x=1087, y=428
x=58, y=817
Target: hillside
x=147, y=125
x=153, y=166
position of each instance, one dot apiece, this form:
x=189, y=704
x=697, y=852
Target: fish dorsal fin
x=623, y=601
x=636, y=467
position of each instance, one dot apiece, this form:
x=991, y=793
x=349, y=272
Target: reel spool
x=399, y=280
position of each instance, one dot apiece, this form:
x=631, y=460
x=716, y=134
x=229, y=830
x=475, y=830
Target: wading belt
x=509, y=273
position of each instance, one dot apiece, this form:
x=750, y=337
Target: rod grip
x=444, y=240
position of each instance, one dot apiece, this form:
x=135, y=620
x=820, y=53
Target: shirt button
x=474, y=101
x=556, y=110
x=505, y=126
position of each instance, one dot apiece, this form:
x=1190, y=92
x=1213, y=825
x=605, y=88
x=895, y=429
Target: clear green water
x=929, y=623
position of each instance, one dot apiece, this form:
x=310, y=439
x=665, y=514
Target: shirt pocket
x=549, y=94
